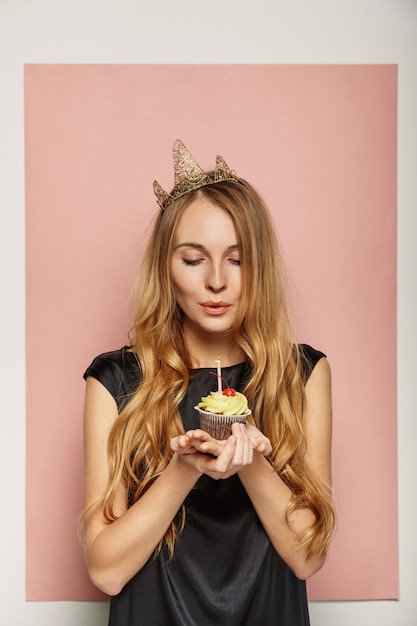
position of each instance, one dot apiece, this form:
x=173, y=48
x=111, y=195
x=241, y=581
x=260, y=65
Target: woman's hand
x=260, y=443
x=221, y=459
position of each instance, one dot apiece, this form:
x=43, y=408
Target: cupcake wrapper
x=217, y=425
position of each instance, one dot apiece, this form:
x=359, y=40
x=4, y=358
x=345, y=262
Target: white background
x=169, y=31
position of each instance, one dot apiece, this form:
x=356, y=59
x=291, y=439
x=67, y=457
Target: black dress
x=225, y=570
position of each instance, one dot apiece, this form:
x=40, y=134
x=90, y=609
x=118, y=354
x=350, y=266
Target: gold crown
x=188, y=175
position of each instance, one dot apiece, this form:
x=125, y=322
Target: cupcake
x=220, y=409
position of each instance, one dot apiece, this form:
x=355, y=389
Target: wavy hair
x=138, y=446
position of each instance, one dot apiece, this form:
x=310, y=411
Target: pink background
x=319, y=142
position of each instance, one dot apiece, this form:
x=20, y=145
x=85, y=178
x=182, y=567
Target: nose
x=216, y=278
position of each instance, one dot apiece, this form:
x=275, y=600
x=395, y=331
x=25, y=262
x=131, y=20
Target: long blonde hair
x=138, y=446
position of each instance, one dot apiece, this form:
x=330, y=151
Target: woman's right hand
x=217, y=459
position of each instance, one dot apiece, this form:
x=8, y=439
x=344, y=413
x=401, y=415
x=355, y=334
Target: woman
x=178, y=527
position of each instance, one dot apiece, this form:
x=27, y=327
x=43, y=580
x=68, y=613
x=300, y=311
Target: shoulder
x=309, y=358
x=118, y=371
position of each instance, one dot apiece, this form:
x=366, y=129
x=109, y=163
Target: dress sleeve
x=118, y=371
x=309, y=359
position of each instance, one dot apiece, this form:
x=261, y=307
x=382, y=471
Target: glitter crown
x=188, y=175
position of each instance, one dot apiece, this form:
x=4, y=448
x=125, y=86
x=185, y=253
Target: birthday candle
x=219, y=375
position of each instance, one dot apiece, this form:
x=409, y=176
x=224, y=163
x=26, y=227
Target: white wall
x=165, y=31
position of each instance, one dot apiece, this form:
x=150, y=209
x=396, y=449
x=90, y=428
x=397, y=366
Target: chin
x=217, y=328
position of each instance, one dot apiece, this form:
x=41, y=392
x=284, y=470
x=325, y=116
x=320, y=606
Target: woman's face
x=205, y=268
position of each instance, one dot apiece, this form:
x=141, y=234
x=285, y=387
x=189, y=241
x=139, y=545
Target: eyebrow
x=199, y=246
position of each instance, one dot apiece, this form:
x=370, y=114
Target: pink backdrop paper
x=319, y=142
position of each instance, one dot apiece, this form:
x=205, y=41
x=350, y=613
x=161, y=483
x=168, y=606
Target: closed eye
x=191, y=261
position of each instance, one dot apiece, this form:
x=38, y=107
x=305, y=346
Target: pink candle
x=219, y=375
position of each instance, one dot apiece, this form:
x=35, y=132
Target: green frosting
x=216, y=402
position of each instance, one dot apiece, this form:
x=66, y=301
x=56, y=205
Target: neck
x=204, y=349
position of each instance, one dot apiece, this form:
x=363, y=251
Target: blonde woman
x=178, y=527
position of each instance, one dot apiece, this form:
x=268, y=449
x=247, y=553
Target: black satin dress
x=225, y=571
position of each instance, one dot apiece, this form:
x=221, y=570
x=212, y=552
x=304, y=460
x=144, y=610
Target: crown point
x=162, y=196
x=188, y=175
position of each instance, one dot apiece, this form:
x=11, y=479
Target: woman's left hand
x=221, y=459
x=260, y=442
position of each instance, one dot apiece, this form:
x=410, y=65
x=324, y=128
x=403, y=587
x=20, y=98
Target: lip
x=215, y=308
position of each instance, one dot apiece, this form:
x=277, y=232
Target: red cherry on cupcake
x=229, y=392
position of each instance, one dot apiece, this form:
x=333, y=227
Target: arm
x=269, y=494
x=115, y=551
